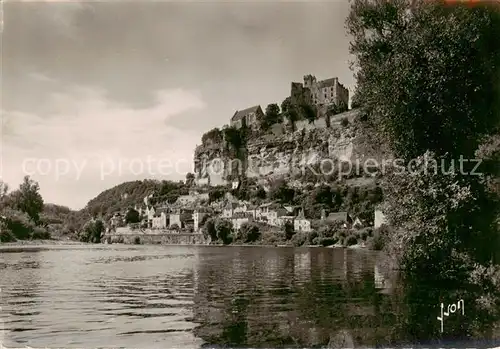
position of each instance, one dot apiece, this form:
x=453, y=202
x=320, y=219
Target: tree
x=92, y=231
x=335, y=108
x=308, y=112
x=4, y=189
x=224, y=230
x=281, y=192
x=428, y=73
x=289, y=230
x=27, y=199
x=428, y=79
x=190, y=179
x=132, y=216
x=286, y=105
x=271, y=116
x=444, y=237
x=250, y=232
x=209, y=229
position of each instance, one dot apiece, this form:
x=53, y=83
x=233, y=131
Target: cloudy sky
x=87, y=86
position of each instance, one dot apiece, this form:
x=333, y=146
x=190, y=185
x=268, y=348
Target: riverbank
x=41, y=242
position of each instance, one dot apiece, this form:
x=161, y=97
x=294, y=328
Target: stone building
x=249, y=117
x=319, y=93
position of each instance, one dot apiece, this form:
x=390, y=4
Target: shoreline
x=42, y=243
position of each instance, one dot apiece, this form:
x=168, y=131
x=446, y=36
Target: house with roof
x=358, y=223
x=301, y=224
x=239, y=219
x=248, y=117
x=160, y=219
x=241, y=207
x=117, y=220
x=341, y=217
x=228, y=210
x=198, y=216
x=252, y=210
x=175, y=219
x=380, y=218
x=263, y=210
x=278, y=216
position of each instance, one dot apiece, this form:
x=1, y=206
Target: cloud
x=87, y=133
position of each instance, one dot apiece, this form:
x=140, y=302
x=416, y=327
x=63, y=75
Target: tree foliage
x=132, y=216
x=271, y=116
x=428, y=78
x=92, y=231
x=427, y=72
x=28, y=199
x=445, y=233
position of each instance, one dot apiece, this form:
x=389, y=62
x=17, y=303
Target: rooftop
x=240, y=114
x=338, y=216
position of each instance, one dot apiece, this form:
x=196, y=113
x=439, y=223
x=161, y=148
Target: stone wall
x=156, y=239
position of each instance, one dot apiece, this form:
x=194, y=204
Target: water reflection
x=288, y=297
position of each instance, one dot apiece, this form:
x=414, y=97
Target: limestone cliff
x=288, y=154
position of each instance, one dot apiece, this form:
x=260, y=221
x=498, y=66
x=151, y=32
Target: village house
x=358, y=223
x=149, y=214
x=341, y=217
x=278, y=216
x=379, y=218
x=117, y=220
x=262, y=211
x=160, y=219
x=301, y=224
x=242, y=207
x=228, y=210
x=248, y=117
x=252, y=210
x=175, y=219
x=198, y=216
x=239, y=219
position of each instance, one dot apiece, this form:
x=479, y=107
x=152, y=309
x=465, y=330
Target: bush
x=289, y=230
x=300, y=239
x=328, y=241
x=40, y=233
x=5, y=233
x=249, y=232
x=344, y=122
x=19, y=224
x=351, y=240
x=137, y=240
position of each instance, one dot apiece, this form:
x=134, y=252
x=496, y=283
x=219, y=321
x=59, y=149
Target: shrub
x=249, y=232
x=137, y=240
x=328, y=241
x=300, y=239
x=289, y=230
x=344, y=122
x=351, y=240
x=5, y=233
x=40, y=233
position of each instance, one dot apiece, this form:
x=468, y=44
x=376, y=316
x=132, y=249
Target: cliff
x=312, y=146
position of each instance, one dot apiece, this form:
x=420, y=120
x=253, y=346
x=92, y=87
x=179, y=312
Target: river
x=189, y=296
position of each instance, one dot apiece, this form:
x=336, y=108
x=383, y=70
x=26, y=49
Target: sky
x=95, y=94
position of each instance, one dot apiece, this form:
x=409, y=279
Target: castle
x=312, y=92
x=319, y=93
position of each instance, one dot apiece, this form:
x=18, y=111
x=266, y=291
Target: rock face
x=286, y=154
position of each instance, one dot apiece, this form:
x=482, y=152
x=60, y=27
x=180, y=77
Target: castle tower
x=309, y=81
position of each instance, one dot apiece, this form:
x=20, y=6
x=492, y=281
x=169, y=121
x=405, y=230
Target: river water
x=187, y=297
